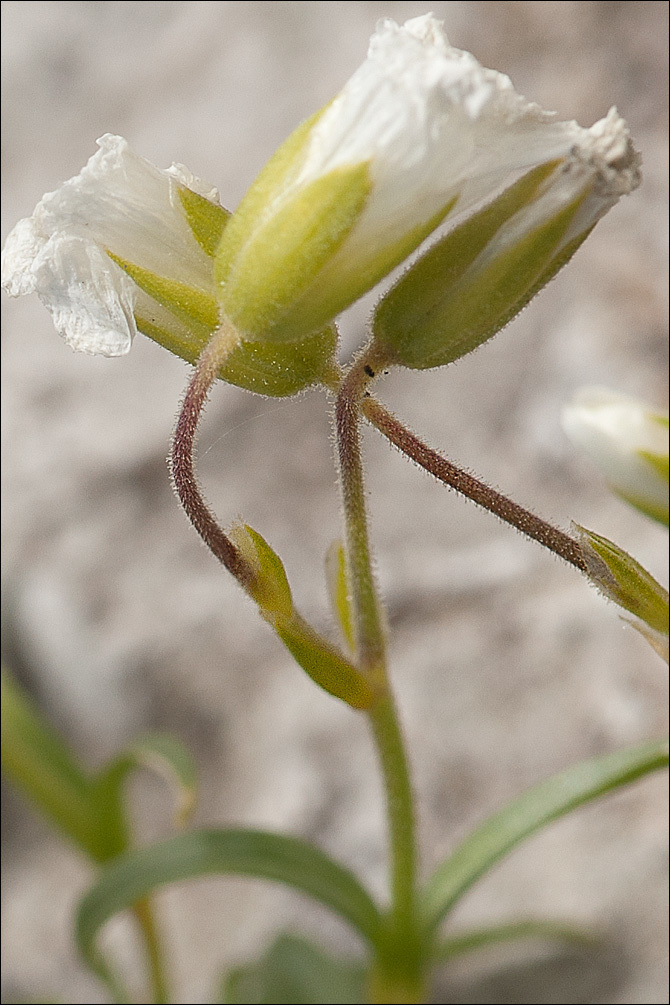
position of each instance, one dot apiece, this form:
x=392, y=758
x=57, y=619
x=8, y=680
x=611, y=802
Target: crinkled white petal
x=434, y=125
x=189, y=180
x=598, y=172
x=613, y=429
x=91, y=304
x=121, y=203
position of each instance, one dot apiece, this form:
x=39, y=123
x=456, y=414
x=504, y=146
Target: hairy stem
x=400, y=965
x=445, y=471
x=368, y=622
x=216, y=351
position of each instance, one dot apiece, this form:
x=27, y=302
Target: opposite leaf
x=166, y=756
x=45, y=770
x=534, y=809
x=220, y=852
x=339, y=591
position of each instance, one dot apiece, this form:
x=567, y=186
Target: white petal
x=433, y=123
x=121, y=203
x=197, y=185
x=90, y=298
x=22, y=246
x=600, y=170
x=613, y=429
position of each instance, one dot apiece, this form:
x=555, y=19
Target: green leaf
x=294, y=972
x=339, y=592
x=323, y=663
x=35, y=758
x=534, y=809
x=514, y=931
x=270, y=589
x=169, y=758
x=287, y=860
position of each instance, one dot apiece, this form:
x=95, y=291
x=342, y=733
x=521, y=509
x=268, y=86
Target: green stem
x=397, y=976
x=481, y=938
x=145, y=918
x=367, y=617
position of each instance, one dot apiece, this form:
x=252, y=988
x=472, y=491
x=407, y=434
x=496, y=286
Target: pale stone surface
x=507, y=666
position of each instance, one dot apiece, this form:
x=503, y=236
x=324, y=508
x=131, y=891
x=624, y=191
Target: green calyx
x=184, y=319
x=206, y=219
x=265, y=267
x=464, y=289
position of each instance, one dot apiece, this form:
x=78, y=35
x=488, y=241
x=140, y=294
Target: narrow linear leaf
x=480, y=938
x=221, y=852
x=339, y=592
x=169, y=758
x=535, y=808
x=323, y=662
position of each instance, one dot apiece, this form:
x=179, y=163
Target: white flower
x=628, y=441
x=477, y=277
x=118, y=203
x=419, y=129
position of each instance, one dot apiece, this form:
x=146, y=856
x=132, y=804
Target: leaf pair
x=298, y=864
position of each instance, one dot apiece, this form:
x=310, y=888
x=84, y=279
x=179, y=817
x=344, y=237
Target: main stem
x=146, y=921
x=397, y=977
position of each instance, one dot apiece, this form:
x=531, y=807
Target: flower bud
x=473, y=281
x=622, y=579
x=419, y=128
x=628, y=442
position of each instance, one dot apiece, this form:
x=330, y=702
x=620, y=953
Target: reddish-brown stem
x=528, y=523
x=181, y=458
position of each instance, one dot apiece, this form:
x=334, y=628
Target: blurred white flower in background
x=628, y=441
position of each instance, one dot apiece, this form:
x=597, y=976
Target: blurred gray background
x=508, y=666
